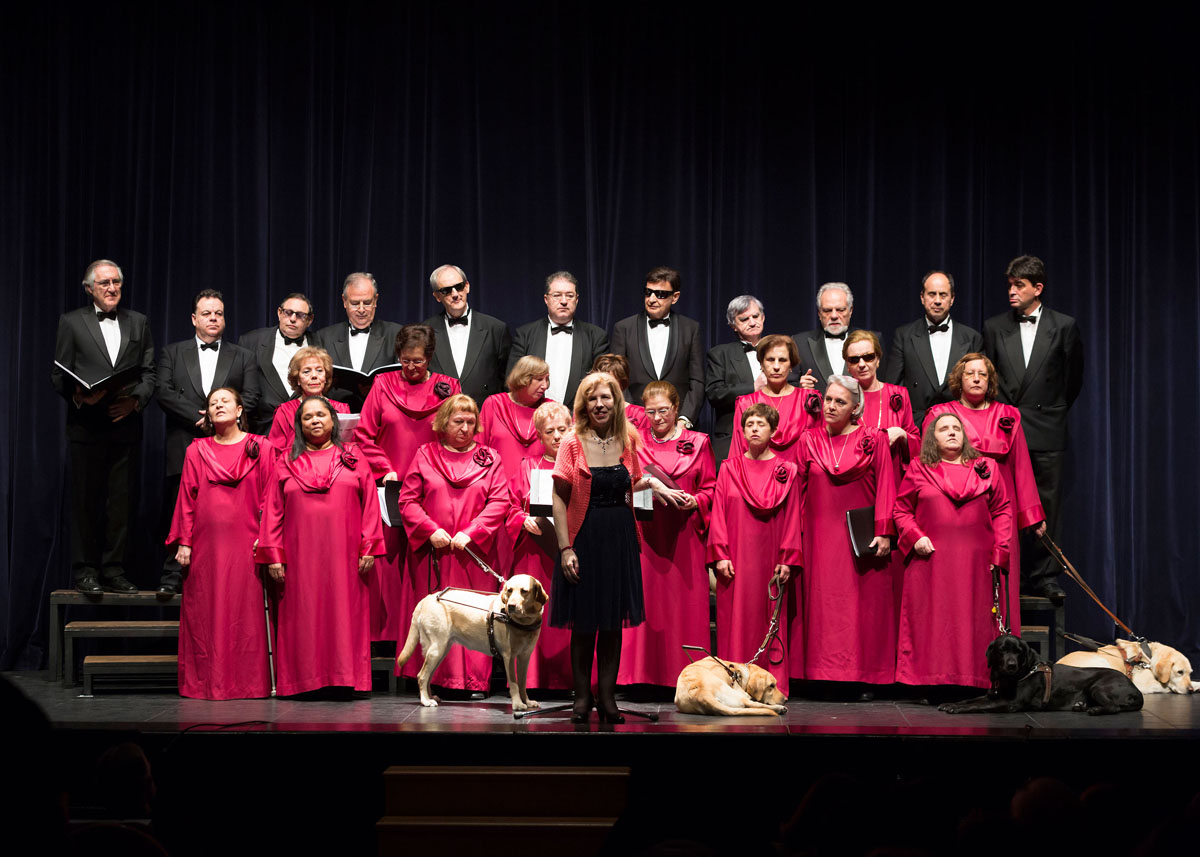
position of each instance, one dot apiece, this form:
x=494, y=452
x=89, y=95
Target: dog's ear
x=987, y=655
x=1162, y=670
x=539, y=592
x=506, y=592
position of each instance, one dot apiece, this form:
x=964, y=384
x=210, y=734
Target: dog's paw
x=518, y=705
x=949, y=707
x=432, y=702
x=1079, y=706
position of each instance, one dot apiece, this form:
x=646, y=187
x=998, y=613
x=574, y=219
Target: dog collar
x=507, y=620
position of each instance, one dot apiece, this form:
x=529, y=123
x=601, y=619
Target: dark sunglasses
x=445, y=292
x=858, y=358
x=661, y=294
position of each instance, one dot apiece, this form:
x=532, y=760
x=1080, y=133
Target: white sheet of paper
x=541, y=493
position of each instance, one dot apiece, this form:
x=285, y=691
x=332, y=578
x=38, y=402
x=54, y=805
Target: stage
x=314, y=767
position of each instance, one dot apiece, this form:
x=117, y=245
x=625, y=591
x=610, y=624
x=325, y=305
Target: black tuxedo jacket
x=587, y=343
x=487, y=355
x=1044, y=391
x=272, y=392
x=381, y=350
x=180, y=394
x=79, y=345
x=726, y=376
x=683, y=366
x=811, y=345
x=910, y=363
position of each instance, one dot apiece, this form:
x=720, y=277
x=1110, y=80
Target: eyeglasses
x=294, y=313
x=104, y=284
x=457, y=287
x=857, y=358
x=404, y=361
x=655, y=412
x=661, y=294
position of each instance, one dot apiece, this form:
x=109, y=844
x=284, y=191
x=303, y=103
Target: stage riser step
x=494, y=836
x=129, y=628
x=127, y=665
x=481, y=791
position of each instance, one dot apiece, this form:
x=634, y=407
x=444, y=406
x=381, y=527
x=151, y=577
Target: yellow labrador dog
x=706, y=687
x=1169, y=671
x=461, y=616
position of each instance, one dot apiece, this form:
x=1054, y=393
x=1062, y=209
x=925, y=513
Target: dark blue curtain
x=262, y=149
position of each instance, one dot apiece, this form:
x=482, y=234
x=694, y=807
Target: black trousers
x=104, y=497
x=1037, y=566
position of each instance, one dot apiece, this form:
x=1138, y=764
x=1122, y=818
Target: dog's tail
x=410, y=645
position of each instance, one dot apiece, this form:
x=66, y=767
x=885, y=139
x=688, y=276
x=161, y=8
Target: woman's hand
x=275, y=569
x=725, y=570
x=689, y=501
x=570, y=565
x=183, y=555
x=896, y=434
x=365, y=564
x=783, y=572
x=882, y=545
x=460, y=541
x=390, y=476
x=439, y=538
x=1040, y=529
x=530, y=525
x=923, y=547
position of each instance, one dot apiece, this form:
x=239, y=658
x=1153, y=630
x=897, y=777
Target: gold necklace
x=837, y=461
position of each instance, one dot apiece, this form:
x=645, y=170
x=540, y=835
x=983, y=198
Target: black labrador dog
x=1021, y=683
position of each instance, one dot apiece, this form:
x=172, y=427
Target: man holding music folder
x=104, y=369
x=361, y=345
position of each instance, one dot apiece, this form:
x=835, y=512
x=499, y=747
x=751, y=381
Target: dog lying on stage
x=1165, y=671
x=511, y=617
x=1021, y=683
x=706, y=687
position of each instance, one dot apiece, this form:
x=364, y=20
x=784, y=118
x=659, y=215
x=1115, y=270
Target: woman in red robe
x=954, y=520
x=885, y=406
x=222, y=624
x=454, y=486
x=754, y=537
x=310, y=373
x=674, y=573
x=799, y=409
x=845, y=465
x=994, y=429
x=320, y=535
x=536, y=552
x=396, y=420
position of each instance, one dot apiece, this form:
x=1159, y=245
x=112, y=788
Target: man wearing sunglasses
x=924, y=352
x=821, y=348
x=273, y=348
x=104, y=424
x=662, y=345
x=470, y=346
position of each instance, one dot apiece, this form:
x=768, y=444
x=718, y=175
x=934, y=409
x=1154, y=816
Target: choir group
x=278, y=448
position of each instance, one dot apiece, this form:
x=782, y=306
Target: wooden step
x=495, y=835
x=511, y=790
x=1039, y=637
x=127, y=665
x=61, y=599
x=127, y=628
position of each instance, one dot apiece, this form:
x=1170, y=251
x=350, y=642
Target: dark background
x=261, y=149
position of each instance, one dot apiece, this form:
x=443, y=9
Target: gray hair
x=854, y=389
x=433, y=278
x=739, y=305
x=559, y=275
x=89, y=276
x=828, y=286
x=360, y=275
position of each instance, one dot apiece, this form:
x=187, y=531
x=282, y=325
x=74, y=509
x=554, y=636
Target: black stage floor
x=314, y=767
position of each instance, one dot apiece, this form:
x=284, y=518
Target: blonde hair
x=620, y=426
x=298, y=359
x=450, y=407
x=524, y=371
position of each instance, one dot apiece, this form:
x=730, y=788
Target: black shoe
x=167, y=591
x=119, y=584
x=867, y=696
x=613, y=716
x=89, y=585
x=1051, y=590
x=581, y=709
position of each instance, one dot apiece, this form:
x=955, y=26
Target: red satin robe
x=799, y=411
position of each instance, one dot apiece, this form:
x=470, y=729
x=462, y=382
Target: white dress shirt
x=558, y=357
x=111, y=331
x=357, y=348
x=752, y=359
x=833, y=350
x=658, y=338
x=939, y=344
x=457, y=335
x=1029, y=332
x=282, y=357
x=208, y=365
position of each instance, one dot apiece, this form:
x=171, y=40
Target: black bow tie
x=287, y=340
x=111, y=315
x=462, y=319
x=829, y=335
x=939, y=328
x=1032, y=319
x=210, y=346
x=355, y=331
x=562, y=328
x=655, y=322
x=747, y=347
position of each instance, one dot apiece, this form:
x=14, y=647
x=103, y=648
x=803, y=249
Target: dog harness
x=1047, y=672
x=493, y=615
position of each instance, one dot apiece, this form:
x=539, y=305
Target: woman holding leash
x=454, y=498
x=954, y=520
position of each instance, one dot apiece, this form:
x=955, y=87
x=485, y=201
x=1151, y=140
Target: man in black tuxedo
x=662, y=345
x=273, y=349
x=924, y=352
x=470, y=346
x=1039, y=357
x=361, y=343
x=568, y=346
x=104, y=426
x=187, y=372
x=731, y=369
x=821, y=348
